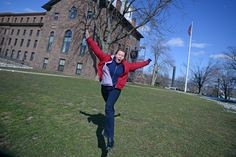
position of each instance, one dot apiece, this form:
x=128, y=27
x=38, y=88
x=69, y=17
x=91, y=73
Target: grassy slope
x=40, y=116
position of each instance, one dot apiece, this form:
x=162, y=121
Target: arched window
x=73, y=12
x=50, y=41
x=66, y=41
x=83, y=45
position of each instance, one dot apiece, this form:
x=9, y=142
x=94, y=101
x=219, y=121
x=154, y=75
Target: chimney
x=118, y=5
x=133, y=22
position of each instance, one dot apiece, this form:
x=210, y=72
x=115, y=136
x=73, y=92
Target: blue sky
x=214, y=28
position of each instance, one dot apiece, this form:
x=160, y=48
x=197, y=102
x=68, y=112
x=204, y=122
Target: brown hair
x=122, y=51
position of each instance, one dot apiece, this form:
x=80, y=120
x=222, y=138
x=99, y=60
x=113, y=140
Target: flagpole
x=189, y=50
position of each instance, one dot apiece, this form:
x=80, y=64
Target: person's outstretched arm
x=94, y=46
x=136, y=65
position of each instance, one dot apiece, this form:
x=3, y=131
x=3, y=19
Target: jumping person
x=113, y=73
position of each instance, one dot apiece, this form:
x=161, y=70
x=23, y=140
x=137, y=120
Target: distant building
x=54, y=40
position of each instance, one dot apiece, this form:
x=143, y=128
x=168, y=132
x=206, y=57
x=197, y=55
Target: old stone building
x=20, y=35
x=54, y=40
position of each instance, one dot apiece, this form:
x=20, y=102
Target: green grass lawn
x=46, y=116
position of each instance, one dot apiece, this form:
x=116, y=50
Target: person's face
x=120, y=55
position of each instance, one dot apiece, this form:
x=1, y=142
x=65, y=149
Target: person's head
x=120, y=55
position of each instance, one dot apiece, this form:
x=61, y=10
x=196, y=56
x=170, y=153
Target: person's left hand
x=149, y=60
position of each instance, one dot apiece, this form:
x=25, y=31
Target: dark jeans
x=110, y=96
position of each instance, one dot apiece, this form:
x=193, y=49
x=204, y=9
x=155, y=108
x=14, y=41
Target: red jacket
x=103, y=57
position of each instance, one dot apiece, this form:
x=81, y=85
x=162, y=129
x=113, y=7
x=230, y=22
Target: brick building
x=53, y=40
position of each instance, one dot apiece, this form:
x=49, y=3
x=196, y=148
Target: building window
x=32, y=56
x=66, y=41
x=61, y=65
x=25, y=56
x=12, y=31
x=24, y=32
x=28, y=43
x=21, y=43
x=27, y=20
x=18, y=32
x=9, y=41
x=34, y=20
x=31, y=32
x=73, y=12
x=2, y=19
x=2, y=41
x=45, y=63
x=35, y=43
x=6, y=54
x=79, y=68
x=15, y=42
x=89, y=14
x=50, y=41
x=83, y=46
x=41, y=19
x=15, y=20
x=8, y=19
x=18, y=54
x=38, y=31
x=56, y=16
x=12, y=53
x=21, y=20
x=5, y=31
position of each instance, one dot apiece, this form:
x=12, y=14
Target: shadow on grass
x=5, y=154
x=99, y=120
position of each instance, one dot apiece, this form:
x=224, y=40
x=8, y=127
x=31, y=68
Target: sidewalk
x=231, y=105
x=12, y=64
x=9, y=64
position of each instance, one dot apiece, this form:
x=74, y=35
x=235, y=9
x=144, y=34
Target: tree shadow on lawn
x=99, y=120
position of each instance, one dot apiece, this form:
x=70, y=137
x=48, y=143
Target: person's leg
x=105, y=90
x=110, y=112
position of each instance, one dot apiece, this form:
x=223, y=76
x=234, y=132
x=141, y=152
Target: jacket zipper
x=114, y=73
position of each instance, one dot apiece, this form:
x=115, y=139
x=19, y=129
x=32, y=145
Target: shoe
x=110, y=143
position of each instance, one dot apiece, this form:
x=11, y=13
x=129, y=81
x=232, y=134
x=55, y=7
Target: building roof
x=22, y=14
x=49, y=4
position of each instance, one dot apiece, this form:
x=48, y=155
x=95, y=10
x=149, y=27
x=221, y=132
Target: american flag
x=190, y=30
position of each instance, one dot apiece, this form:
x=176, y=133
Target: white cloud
x=144, y=29
x=175, y=42
x=218, y=56
x=199, y=45
x=199, y=53
x=29, y=10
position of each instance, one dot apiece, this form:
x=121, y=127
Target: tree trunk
x=200, y=90
x=154, y=75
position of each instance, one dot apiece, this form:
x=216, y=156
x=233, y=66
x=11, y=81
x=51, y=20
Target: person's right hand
x=149, y=60
x=87, y=34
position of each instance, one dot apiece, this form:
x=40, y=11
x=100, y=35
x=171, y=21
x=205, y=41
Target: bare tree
x=231, y=57
x=161, y=58
x=111, y=25
x=227, y=77
x=201, y=75
x=226, y=84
